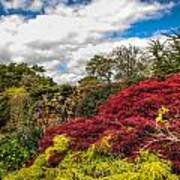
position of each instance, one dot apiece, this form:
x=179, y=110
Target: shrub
x=89, y=105
x=49, y=105
x=93, y=165
x=4, y=110
x=19, y=103
x=12, y=153
x=130, y=117
x=144, y=99
x=3, y=170
x=17, y=148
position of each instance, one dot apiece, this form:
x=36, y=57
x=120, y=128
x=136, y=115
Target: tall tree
x=165, y=55
x=128, y=61
x=100, y=67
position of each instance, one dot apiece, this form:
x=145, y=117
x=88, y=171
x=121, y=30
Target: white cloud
x=71, y=35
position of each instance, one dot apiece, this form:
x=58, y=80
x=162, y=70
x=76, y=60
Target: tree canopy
x=16, y=75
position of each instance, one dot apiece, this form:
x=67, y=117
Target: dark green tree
x=16, y=75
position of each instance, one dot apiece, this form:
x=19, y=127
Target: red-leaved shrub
x=145, y=99
x=130, y=117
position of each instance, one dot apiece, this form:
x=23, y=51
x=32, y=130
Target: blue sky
x=165, y=22
x=62, y=35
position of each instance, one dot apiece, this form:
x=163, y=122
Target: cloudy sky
x=62, y=35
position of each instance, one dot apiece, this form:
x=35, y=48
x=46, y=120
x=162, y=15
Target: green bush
x=49, y=107
x=16, y=148
x=3, y=170
x=4, y=110
x=28, y=137
x=12, y=153
x=89, y=105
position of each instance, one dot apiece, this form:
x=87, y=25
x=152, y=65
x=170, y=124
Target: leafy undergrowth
x=120, y=142
x=93, y=164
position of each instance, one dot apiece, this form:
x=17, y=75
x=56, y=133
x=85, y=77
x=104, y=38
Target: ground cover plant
x=94, y=163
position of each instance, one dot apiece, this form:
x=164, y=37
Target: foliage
x=85, y=100
x=16, y=75
x=28, y=137
x=137, y=77
x=16, y=148
x=3, y=170
x=90, y=103
x=88, y=81
x=71, y=103
x=116, y=143
x=13, y=91
x=166, y=55
x=162, y=111
x=50, y=106
x=60, y=146
x=64, y=89
x=129, y=62
x=91, y=164
x=101, y=67
x=144, y=99
x=19, y=103
x=12, y=153
x=18, y=136
x=18, y=81
x=130, y=116
x=4, y=110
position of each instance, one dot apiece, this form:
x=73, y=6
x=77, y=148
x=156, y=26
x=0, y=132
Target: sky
x=62, y=35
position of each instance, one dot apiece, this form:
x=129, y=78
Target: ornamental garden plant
x=131, y=137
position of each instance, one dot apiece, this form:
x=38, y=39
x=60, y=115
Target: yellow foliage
x=162, y=111
x=14, y=91
x=94, y=165
x=104, y=145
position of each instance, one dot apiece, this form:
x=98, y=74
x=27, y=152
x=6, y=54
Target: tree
x=128, y=61
x=19, y=103
x=165, y=55
x=100, y=67
x=174, y=50
x=17, y=75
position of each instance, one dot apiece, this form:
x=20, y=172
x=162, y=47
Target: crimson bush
x=130, y=118
x=144, y=99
